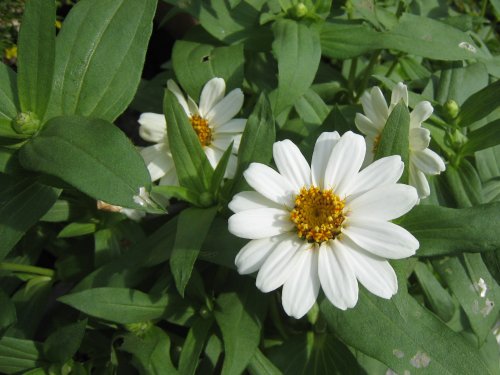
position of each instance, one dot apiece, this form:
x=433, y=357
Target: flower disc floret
x=203, y=131
x=318, y=214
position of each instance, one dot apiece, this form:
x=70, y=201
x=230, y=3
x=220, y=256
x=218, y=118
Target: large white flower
x=423, y=161
x=326, y=225
x=212, y=121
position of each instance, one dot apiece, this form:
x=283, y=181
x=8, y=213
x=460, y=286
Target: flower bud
x=451, y=108
x=139, y=329
x=299, y=10
x=26, y=123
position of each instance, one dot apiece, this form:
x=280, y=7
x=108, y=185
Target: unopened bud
x=451, y=107
x=456, y=139
x=206, y=199
x=26, y=123
x=299, y=10
x=139, y=329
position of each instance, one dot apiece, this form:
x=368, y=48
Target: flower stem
x=16, y=267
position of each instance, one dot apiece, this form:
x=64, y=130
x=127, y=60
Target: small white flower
x=326, y=225
x=143, y=199
x=212, y=121
x=423, y=161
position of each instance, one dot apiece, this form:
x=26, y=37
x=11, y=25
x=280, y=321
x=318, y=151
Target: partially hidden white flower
x=423, y=161
x=213, y=121
x=326, y=225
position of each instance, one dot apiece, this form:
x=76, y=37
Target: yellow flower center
x=318, y=214
x=203, y=131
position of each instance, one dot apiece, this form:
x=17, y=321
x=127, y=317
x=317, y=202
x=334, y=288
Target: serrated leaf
x=298, y=51
x=36, y=55
x=120, y=305
x=90, y=66
x=22, y=202
x=448, y=231
x=192, y=166
x=239, y=314
x=187, y=246
x=92, y=155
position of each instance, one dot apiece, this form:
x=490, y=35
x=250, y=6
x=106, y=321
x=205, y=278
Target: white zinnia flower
x=212, y=121
x=422, y=159
x=326, y=225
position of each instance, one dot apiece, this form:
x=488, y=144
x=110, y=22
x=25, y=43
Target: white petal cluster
x=423, y=161
x=372, y=198
x=216, y=109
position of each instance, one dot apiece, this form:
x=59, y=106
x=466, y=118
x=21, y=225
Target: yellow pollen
x=203, y=131
x=318, y=214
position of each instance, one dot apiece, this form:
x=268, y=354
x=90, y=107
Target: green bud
x=26, y=123
x=206, y=199
x=451, y=108
x=299, y=10
x=456, y=139
x=205, y=313
x=139, y=329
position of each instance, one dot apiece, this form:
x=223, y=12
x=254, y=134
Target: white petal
x=382, y=238
x=158, y=159
x=399, y=92
x=172, y=86
x=251, y=257
x=232, y=164
x=213, y=155
x=291, y=164
x=270, y=184
x=419, y=139
x=170, y=178
x=366, y=126
x=428, y=161
x=370, y=148
x=379, y=105
x=383, y=171
x=226, y=109
x=378, y=116
x=260, y=223
x=222, y=141
x=279, y=264
x=236, y=125
x=383, y=203
x=374, y=273
x=153, y=127
x=193, y=108
x=322, y=151
x=336, y=275
x=212, y=93
x=419, y=181
x=344, y=163
x=420, y=113
x=250, y=200
x=302, y=286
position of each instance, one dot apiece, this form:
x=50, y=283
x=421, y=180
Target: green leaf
x=64, y=342
x=403, y=335
x=9, y=106
x=479, y=105
x=100, y=55
x=120, y=305
x=18, y=355
x=77, y=229
x=447, y=231
x=187, y=246
x=257, y=141
x=195, y=64
x=482, y=138
x=395, y=138
x=261, y=365
x=7, y=312
x=438, y=298
x=193, y=345
x=318, y=354
x=151, y=352
x=178, y=192
x=193, y=168
x=36, y=55
x=90, y=154
x=298, y=51
x=478, y=299
x=239, y=314
x=311, y=108
x=464, y=184
x=22, y=203
x=220, y=170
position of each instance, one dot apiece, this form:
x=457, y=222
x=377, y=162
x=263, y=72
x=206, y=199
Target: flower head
x=326, y=225
x=213, y=121
x=423, y=161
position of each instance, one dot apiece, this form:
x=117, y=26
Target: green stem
x=352, y=77
x=23, y=268
x=368, y=73
x=393, y=66
x=275, y=317
x=483, y=7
